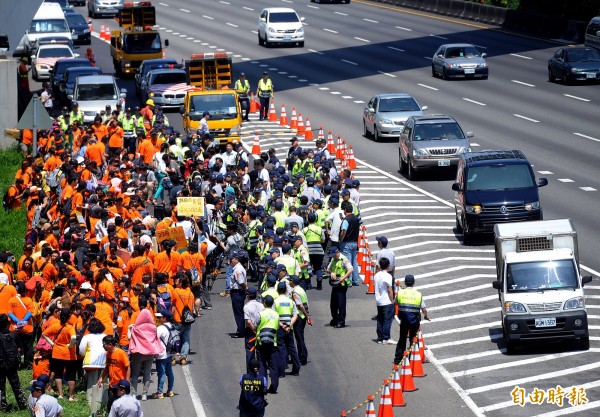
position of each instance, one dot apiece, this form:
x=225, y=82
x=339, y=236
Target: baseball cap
x=281, y=286
x=271, y=279
x=86, y=286
x=345, y=192
x=123, y=383
x=251, y=291
x=294, y=139
x=36, y=386
x=295, y=279
x=348, y=182
x=164, y=313
x=409, y=279
x=333, y=250
x=43, y=378
x=286, y=248
x=274, y=250
x=383, y=240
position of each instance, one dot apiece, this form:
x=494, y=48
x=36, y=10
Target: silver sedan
x=459, y=60
x=385, y=114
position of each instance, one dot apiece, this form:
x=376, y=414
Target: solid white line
x=460, y=259
x=454, y=269
x=465, y=341
x=232, y=25
x=185, y=10
x=428, y=86
x=522, y=83
x=437, y=36
x=348, y=62
x=208, y=17
x=387, y=73
x=474, y=102
x=361, y=39
x=407, y=29
x=455, y=280
x=463, y=329
x=535, y=378
x=526, y=118
x=396, y=49
x=460, y=291
x=463, y=315
x=577, y=98
x=329, y=30
x=315, y=52
x=477, y=355
x=464, y=303
x=196, y=400
x=586, y=136
x=461, y=392
x=370, y=21
x=341, y=14
x=521, y=56
x=503, y=365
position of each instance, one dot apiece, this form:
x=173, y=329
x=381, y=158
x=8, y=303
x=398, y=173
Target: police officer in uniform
x=265, y=94
x=242, y=86
x=288, y=314
x=340, y=270
x=252, y=310
x=315, y=237
x=301, y=301
x=266, y=343
x=129, y=123
x=410, y=304
x=254, y=387
x=238, y=292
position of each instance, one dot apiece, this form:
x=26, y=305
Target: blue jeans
x=165, y=367
x=184, y=335
x=350, y=250
x=228, y=276
x=385, y=316
x=160, y=190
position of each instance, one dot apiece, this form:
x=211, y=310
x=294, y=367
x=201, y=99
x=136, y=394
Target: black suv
x=494, y=187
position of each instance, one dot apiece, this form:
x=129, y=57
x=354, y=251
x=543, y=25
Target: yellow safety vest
x=289, y=262
x=266, y=331
x=409, y=301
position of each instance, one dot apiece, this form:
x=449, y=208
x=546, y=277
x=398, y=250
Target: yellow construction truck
x=136, y=40
x=211, y=74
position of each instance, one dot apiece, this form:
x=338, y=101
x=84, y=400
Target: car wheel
x=467, y=236
x=565, y=79
x=401, y=163
x=584, y=343
x=433, y=73
x=301, y=44
x=366, y=132
x=411, y=173
x=376, y=136
x=551, y=76
x=444, y=75
x=510, y=346
x=458, y=226
x=260, y=40
x=267, y=43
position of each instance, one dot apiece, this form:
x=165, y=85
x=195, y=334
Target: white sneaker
x=390, y=342
x=144, y=397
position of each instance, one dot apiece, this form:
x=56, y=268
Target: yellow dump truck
x=211, y=74
x=136, y=40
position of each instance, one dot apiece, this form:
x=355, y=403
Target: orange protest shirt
x=116, y=139
x=27, y=137
x=138, y=266
x=107, y=289
x=189, y=260
x=146, y=149
x=41, y=365
x=52, y=163
x=117, y=363
x=77, y=201
x=183, y=297
x=94, y=152
x=62, y=337
x=106, y=314
x=48, y=270
x=100, y=131
x=167, y=263
x=20, y=306
x=123, y=321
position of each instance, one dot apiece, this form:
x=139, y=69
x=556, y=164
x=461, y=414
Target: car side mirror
x=586, y=280
x=263, y=19
x=166, y=43
x=497, y=285
x=302, y=19
x=470, y=134
x=598, y=33
x=483, y=55
x=370, y=109
x=423, y=108
x=542, y=182
x=31, y=58
x=76, y=55
x=456, y=187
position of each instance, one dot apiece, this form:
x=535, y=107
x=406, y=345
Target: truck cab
x=539, y=285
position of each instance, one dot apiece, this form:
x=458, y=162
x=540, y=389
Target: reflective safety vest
x=63, y=123
x=409, y=303
x=299, y=254
x=289, y=262
x=338, y=268
x=313, y=234
x=139, y=124
x=270, y=291
x=265, y=88
x=284, y=306
x=129, y=124
x=280, y=217
x=299, y=291
x=76, y=116
x=321, y=216
x=268, y=324
x=242, y=88
x=252, y=234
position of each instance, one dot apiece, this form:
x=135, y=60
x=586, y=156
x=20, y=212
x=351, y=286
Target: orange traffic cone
x=396, y=389
x=253, y=104
x=369, y=280
x=343, y=414
x=283, y=116
x=416, y=365
x=272, y=114
x=164, y=54
x=321, y=135
x=256, y=145
x=385, y=403
x=360, y=256
x=90, y=26
x=338, y=152
x=107, y=34
x=406, y=379
x=351, y=160
x=308, y=133
x=330, y=144
x=300, y=125
x=422, y=347
x=371, y=287
x=370, y=411
x=102, y=32
x=294, y=121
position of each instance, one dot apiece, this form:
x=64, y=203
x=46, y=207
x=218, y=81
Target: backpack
x=38, y=312
x=165, y=297
x=65, y=209
x=6, y=200
x=53, y=178
x=9, y=356
x=173, y=345
x=39, y=272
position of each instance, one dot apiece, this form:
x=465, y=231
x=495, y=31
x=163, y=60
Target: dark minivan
x=494, y=187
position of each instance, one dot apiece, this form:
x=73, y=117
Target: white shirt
x=239, y=277
x=335, y=219
x=97, y=354
x=126, y=406
x=228, y=158
x=188, y=228
x=389, y=254
x=47, y=406
x=46, y=99
x=264, y=176
x=382, y=282
x=163, y=335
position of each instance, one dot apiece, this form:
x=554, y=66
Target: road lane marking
x=437, y=36
x=368, y=209
x=370, y=21
x=387, y=73
x=175, y=33
x=315, y=52
x=463, y=329
x=347, y=97
x=428, y=86
x=470, y=356
x=581, y=135
x=196, y=400
x=169, y=31
x=535, y=378
x=183, y=36
x=164, y=4
x=545, y=172
x=189, y=39
x=362, y=40
x=341, y=14
x=522, y=56
x=208, y=17
x=348, y=62
x=311, y=6
x=437, y=261
x=292, y=76
x=224, y=2
x=526, y=118
x=359, y=102
x=335, y=93
x=474, y=102
x=396, y=49
x=248, y=8
x=302, y=80
x=185, y=10
x=461, y=291
x=330, y=30
x=232, y=25
x=463, y=303
x=523, y=83
x=588, y=188
x=403, y=28
x=324, y=88
x=465, y=341
x=455, y=280
x=577, y=98
x=494, y=310
x=197, y=41
x=565, y=180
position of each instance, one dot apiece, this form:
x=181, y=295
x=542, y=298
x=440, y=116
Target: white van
x=592, y=33
x=94, y=92
x=280, y=25
x=48, y=21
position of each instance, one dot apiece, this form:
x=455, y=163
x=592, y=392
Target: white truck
x=539, y=282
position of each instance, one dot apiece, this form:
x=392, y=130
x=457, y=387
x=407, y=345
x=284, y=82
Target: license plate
x=469, y=70
x=589, y=75
x=74, y=37
x=287, y=37
x=545, y=322
x=444, y=163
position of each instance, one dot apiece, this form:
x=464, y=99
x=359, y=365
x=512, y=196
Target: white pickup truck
x=539, y=282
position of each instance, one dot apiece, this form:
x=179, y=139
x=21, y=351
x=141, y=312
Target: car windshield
x=72, y=75
x=499, y=177
x=90, y=92
x=141, y=43
x=220, y=106
x=540, y=276
x=168, y=78
x=398, y=104
x=285, y=17
x=54, y=52
x=75, y=19
x=438, y=131
x=582, y=55
x=69, y=63
x=48, y=26
x=462, y=52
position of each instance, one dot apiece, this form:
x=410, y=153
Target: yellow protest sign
x=190, y=206
x=173, y=233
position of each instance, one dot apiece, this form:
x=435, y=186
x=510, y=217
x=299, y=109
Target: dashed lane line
x=232, y=25
x=522, y=83
x=565, y=180
x=396, y=49
x=577, y=98
x=387, y=74
x=463, y=358
x=330, y=30
x=474, y=102
x=428, y=86
x=403, y=28
x=208, y=17
x=341, y=14
x=529, y=119
x=587, y=189
x=348, y=62
x=185, y=10
x=521, y=56
x=438, y=37
x=362, y=39
x=370, y=21
x=581, y=135
x=465, y=303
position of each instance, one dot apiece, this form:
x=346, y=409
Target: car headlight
x=419, y=152
x=153, y=94
x=300, y=31
x=464, y=150
x=450, y=65
x=272, y=30
x=127, y=65
x=514, y=307
x=86, y=31
x=483, y=65
x=476, y=209
x=532, y=206
x=42, y=66
x=386, y=121
x=575, y=70
x=573, y=303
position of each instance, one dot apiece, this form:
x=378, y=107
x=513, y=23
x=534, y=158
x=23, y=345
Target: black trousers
x=408, y=328
x=264, y=107
x=25, y=344
x=250, y=353
x=337, y=304
x=13, y=379
x=299, y=327
x=285, y=347
x=237, y=304
x=267, y=356
x=245, y=106
x=317, y=266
